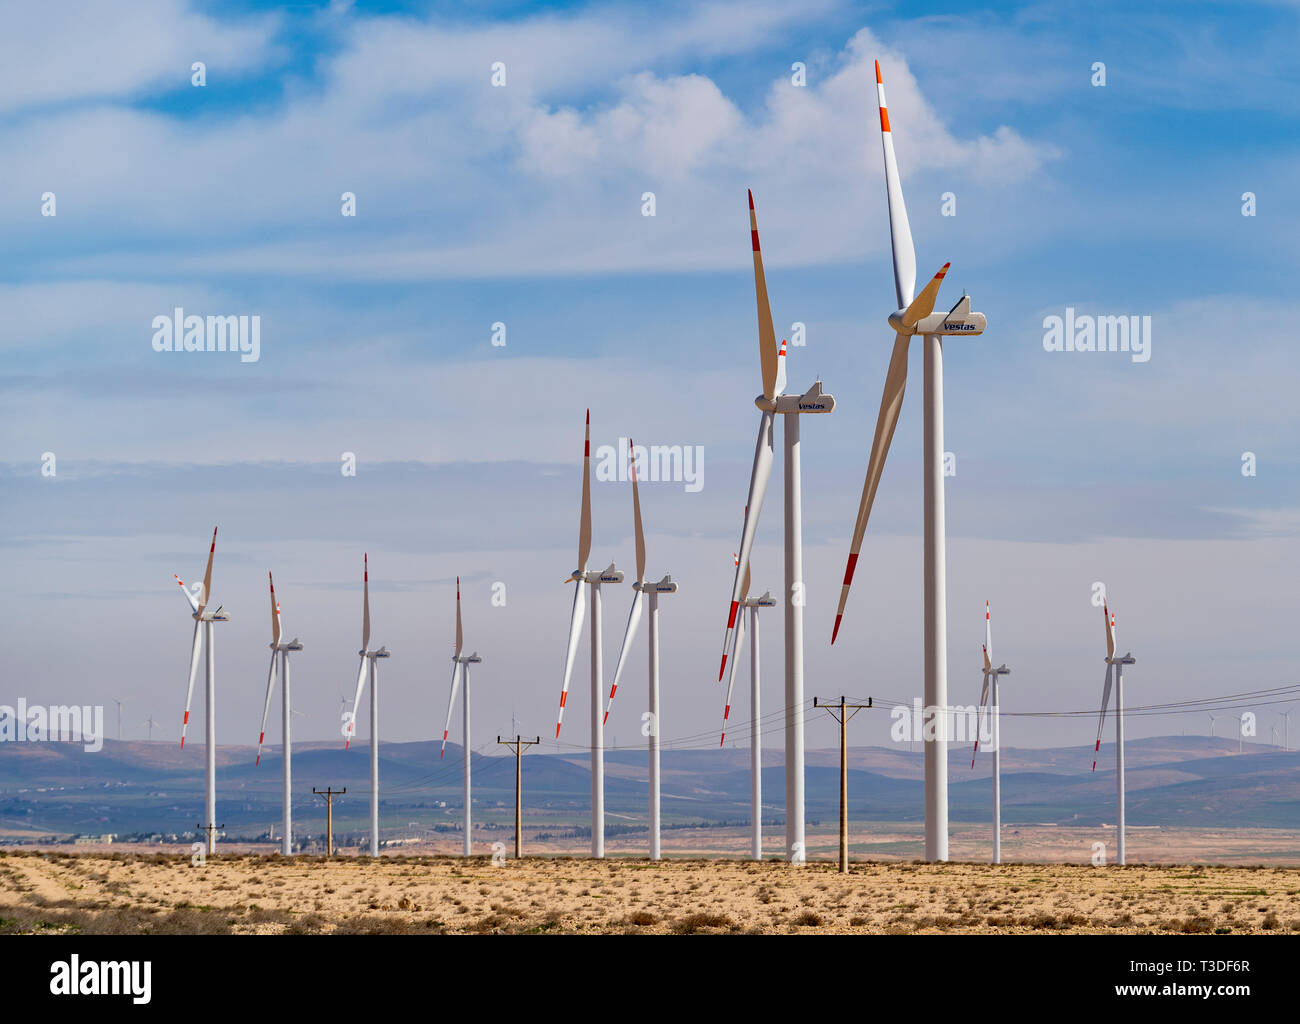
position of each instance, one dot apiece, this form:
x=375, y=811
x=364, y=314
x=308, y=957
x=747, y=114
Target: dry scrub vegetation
x=166, y=894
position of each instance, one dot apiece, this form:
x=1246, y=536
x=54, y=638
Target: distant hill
x=141, y=787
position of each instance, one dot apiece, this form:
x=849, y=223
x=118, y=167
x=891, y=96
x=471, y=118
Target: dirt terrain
x=242, y=893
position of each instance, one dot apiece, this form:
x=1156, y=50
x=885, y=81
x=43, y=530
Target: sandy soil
x=127, y=893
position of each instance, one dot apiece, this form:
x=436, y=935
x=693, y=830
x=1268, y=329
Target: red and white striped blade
x=1110, y=630
x=451, y=702
x=766, y=335
x=984, y=699
x=356, y=704
x=636, y=516
x=365, y=602
x=584, y=523
x=1101, y=722
x=207, y=574
x=731, y=678
x=194, y=671
x=900, y=234
x=275, y=612
x=891, y=403
x=460, y=635
x=758, y=480
x=266, y=707
x=988, y=639
x=629, y=634
x=193, y=601
x=923, y=305
x=571, y=651
x=780, y=370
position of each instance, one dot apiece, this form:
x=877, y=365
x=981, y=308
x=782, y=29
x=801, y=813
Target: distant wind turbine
x=641, y=588
x=593, y=579
x=369, y=659
x=460, y=672
x=286, y=711
x=991, y=675
x=1114, y=666
x=203, y=619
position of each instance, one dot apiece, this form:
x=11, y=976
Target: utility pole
x=329, y=796
x=210, y=829
x=517, y=745
x=842, y=712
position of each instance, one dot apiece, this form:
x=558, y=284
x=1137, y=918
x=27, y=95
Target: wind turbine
x=594, y=579
x=1213, y=720
x=771, y=402
x=371, y=657
x=991, y=675
x=286, y=712
x=641, y=588
x=916, y=316
x=460, y=670
x=1114, y=665
x=151, y=725
x=755, y=705
x=119, y=701
x=1286, y=734
x=198, y=596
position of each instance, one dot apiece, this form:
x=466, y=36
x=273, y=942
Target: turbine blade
x=356, y=704
x=207, y=574
x=266, y=708
x=1110, y=630
x=988, y=639
x=451, y=702
x=629, y=634
x=758, y=479
x=984, y=699
x=890, y=404
x=731, y=679
x=923, y=305
x=780, y=370
x=1101, y=722
x=365, y=603
x=766, y=335
x=460, y=635
x=900, y=234
x=575, y=631
x=194, y=671
x=194, y=601
x=636, y=515
x=275, y=612
x=584, y=525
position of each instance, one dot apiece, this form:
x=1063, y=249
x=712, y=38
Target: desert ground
x=242, y=893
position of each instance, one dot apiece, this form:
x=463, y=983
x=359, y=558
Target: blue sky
x=522, y=205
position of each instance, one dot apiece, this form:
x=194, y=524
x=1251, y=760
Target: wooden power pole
x=517, y=745
x=842, y=712
x=328, y=795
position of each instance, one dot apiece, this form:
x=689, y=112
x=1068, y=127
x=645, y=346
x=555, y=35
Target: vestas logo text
x=102, y=978
x=950, y=326
x=811, y=406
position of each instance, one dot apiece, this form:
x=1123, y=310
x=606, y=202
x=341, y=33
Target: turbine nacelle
x=958, y=320
x=766, y=601
x=663, y=586
x=814, y=400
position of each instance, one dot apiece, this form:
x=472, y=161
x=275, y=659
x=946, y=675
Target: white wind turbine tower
x=641, y=588
x=594, y=579
x=771, y=402
x=286, y=710
x=203, y=620
x=991, y=675
x=459, y=672
x=915, y=316
x=151, y=724
x=1116, y=666
x=119, y=701
x=755, y=704
x=370, y=658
